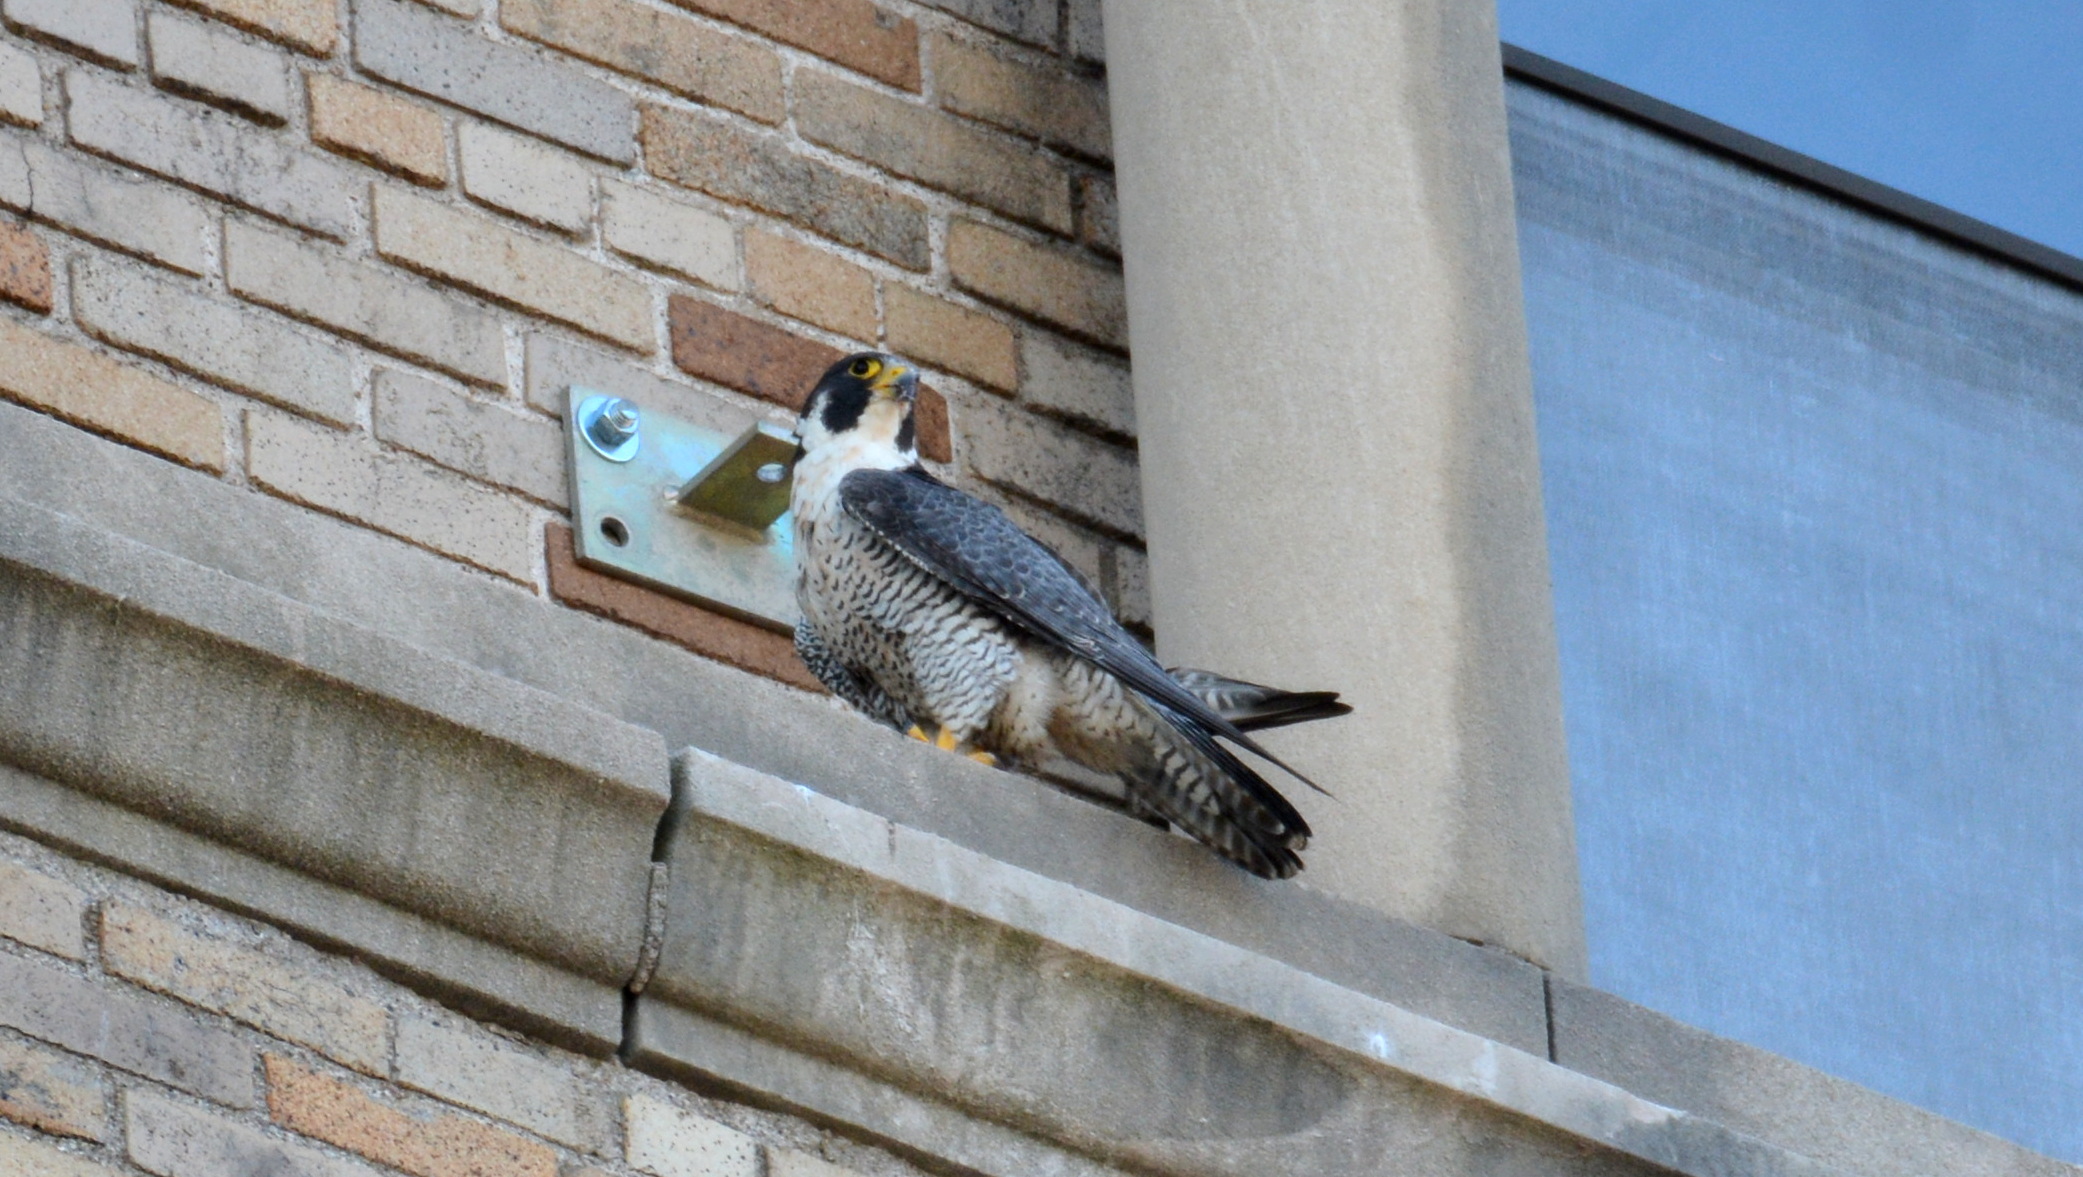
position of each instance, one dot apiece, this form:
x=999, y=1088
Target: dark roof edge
x=1549, y=74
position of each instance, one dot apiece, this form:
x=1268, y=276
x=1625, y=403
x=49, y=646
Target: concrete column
x=1340, y=481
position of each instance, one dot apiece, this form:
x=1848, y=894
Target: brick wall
x=144, y=1032
x=345, y=253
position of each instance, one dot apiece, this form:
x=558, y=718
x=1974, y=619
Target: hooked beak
x=897, y=382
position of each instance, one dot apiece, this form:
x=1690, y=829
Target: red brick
x=855, y=33
x=25, y=268
x=712, y=635
x=746, y=354
x=305, y=1101
x=935, y=444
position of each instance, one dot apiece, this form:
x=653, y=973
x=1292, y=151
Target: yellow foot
x=946, y=741
x=918, y=733
x=983, y=758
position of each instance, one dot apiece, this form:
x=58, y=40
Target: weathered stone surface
x=1076, y=382
x=806, y=282
x=51, y=1092
x=105, y=30
x=1087, y=32
x=217, y=338
x=21, y=86
x=1040, y=100
x=378, y=305
x=525, y=177
x=669, y=1142
x=211, y=150
x=492, y=259
x=1835, y=1121
x=214, y=973
x=354, y=759
x=961, y=340
x=390, y=492
x=669, y=234
x=93, y=390
x=1075, y=293
x=858, y=34
x=705, y=152
x=100, y=202
x=327, y=1109
x=307, y=24
x=25, y=268
x=150, y=1036
x=1033, y=21
x=789, y=1162
x=682, y=55
x=203, y=60
x=42, y=912
x=446, y=59
x=1099, y=215
x=503, y=1080
x=473, y=437
x=378, y=128
x=180, y=1141
x=920, y=143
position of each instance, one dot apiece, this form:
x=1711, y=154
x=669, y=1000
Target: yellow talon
x=983, y=758
x=918, y=733
x=946, y=741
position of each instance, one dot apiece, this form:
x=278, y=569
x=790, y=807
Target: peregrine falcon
x=932, y=612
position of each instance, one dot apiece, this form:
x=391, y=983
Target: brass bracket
x=682, y=507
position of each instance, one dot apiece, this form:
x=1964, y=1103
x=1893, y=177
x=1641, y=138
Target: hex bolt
x=616, y=423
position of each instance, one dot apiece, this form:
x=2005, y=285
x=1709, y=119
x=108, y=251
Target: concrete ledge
x=390, y=588
x=1034, y=1006
x=290, y=738
x=1772, y=1097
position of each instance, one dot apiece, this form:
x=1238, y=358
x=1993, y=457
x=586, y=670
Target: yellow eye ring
x=864, y=368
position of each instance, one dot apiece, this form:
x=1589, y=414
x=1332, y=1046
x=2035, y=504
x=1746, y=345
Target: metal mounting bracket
x=682, y=507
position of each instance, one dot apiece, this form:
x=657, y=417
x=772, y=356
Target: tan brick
x=660, y=46
x=669, y=1142
x=94, y=391
x=484, y=256
x=52, y=1091
x=388, y=310
x=669, y=234
x=245, y=983
x=483, y=440
x=105, y=30
x=21, y=86
x=309, y=25
x=1032, y=21
x=1078, y=383
x=927, y=145
x=525, y=177
x=327, y=1109
x=485, y=1073
x=103, y=202
x=712, y=635
x=1099, y=215
x=205, y=60
x=1040, y=100
x=1080, y=295
x=176, y=1140
x=701, y=151
x=810, y=284
x=744, y=353
x=1076, y=474
x=392, y=493
x=43, y=912
x=956, y=338
x=367, y=124
x=855, y=33
x=25, y=268
x=25, y=1155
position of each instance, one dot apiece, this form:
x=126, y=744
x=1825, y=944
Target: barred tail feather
x=1197, y=785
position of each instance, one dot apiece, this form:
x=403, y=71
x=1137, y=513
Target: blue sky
x=1973, y=104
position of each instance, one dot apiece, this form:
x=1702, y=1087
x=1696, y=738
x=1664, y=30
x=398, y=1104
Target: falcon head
x=863, y=400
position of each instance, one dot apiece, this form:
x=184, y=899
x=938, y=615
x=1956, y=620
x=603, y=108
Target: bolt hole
x=614, y=531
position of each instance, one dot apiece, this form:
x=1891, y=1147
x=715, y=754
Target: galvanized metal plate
x=629, y=523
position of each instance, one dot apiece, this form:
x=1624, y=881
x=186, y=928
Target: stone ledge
x=216, y=729
x=1021, y=1002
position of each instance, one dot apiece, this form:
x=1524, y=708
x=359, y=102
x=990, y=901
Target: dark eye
x=863, y=368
